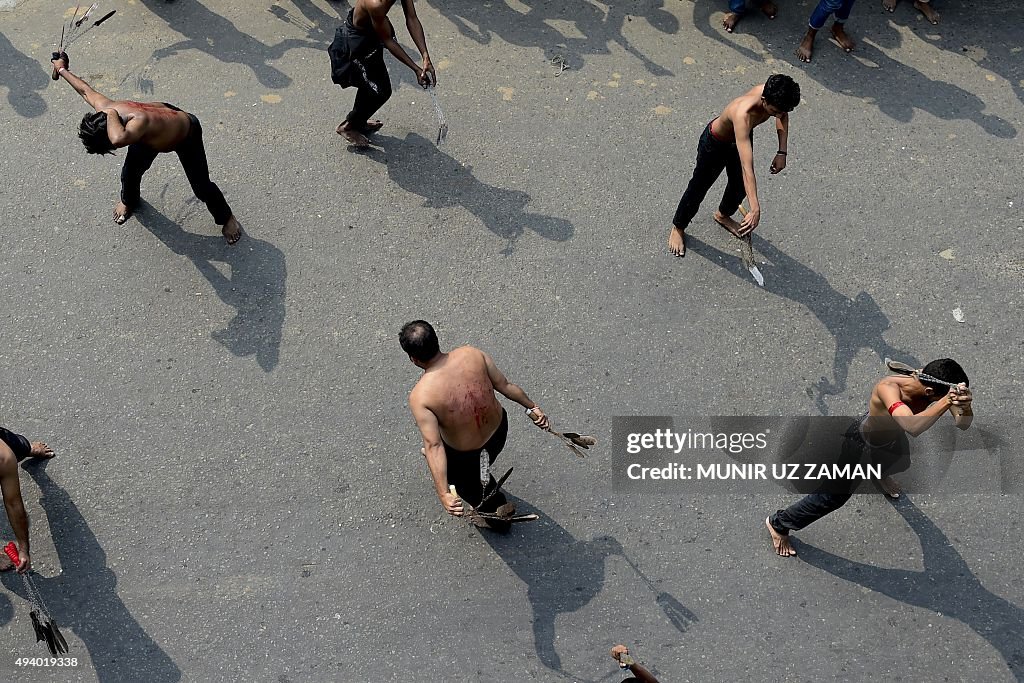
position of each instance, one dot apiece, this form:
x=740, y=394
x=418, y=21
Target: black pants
x=713, y=156
x=192, y=155
x=464, y=468
x=894, y=458
x=371, y=78
x=17, y=443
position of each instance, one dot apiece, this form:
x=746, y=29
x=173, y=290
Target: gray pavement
x=238, y=494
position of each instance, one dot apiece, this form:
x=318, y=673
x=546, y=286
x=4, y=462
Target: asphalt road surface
x=238, y=493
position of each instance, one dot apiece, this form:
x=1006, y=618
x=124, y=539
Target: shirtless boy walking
x=899, y=405
x=459, y=417
x=148, y=129
x=357, y=59
x=727, y=144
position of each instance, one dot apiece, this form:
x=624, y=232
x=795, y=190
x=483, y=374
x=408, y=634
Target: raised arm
x=911, y=423
x=433, y=451
x=96, y=100
x=514, y=392
x=11, y=488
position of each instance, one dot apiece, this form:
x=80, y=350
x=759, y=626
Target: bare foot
x=769, y=9
x=890, y=486
x=925, y=8
x=121, y=213
x=372, y=126
x=806, y=48
x=727, y=222
x=354, y=137
x=730, y=21
x=232, y=231
x=889, y=5
x=677, y=242
x=845, y=41
x=781, y=543
x=41, y=450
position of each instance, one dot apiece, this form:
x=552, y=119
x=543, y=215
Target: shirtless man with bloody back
x=147, y=129
x=459, y=416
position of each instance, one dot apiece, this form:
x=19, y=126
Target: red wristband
x=896, y=405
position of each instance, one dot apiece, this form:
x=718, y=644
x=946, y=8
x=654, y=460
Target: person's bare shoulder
x=377, y=8
x=466, y=352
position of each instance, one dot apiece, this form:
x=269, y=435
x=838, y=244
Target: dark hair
x=419, y=340
x=781, y=92
x=93, y=133
x=946, y=369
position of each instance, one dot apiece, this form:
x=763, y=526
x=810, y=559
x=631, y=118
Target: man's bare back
x=163, y=128
x=459, y=392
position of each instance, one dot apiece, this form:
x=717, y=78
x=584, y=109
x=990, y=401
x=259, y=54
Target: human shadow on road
x=562, y=575
x=480, y=21
x=946, y=586
x=209, y=32
x=417, y=165
x=83, y=597
x=256, y=288
x=894, y=87
x=855, y=324
x=24, y=78
x=318, y=25
x=990, y=36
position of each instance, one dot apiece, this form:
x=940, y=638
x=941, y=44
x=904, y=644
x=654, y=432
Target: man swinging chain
x=899, y=405
x=357, y=59
x=148, y=129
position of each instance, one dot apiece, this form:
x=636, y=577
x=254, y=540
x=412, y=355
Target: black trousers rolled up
x=374, y=87
x=192, y=155
x=713, y=156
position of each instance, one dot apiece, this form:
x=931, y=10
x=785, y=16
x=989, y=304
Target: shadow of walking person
x=83, y=597
x=562, y=573
x=592, y=28
x=946, y=586
x=855, y=324
x=23, y=78
x=897, y=89
x=256, y=288
x=416, y=165
x=209, y=32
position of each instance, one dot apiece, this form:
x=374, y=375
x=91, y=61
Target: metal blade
x=758, y=278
